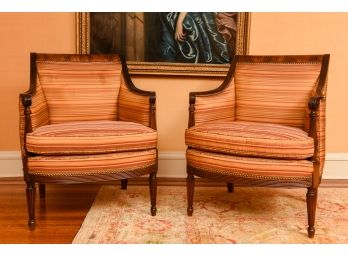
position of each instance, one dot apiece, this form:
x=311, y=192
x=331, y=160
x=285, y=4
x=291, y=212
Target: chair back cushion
x=80, y=87
x=274, y=92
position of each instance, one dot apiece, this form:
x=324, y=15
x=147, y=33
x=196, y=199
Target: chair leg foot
x=31, y=192
x=124, y=183
x=31, y=224
x=153, y=192
x=311, y=232
x=42, y=191
x=153, y=210
x=190, y=184
x=230, y=187
x=311, y=197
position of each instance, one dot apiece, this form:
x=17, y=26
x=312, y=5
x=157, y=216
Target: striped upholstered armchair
x=83, y=120
x=264, y=126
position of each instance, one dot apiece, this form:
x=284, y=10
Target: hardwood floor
x=61, y=214
x=58, y=217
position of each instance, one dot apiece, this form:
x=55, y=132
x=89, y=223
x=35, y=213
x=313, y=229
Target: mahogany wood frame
x=313, y=105
x=31, y=180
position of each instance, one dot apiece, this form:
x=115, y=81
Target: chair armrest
x=313, y=103
x=316, y=130
x=33, y=113
x=312, y=112
x=317, y=119
x=134, y=104
x=214, y=105
x=35, y=108
x=25, y=101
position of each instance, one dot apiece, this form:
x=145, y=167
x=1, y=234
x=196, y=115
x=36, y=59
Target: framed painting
x=172, y=43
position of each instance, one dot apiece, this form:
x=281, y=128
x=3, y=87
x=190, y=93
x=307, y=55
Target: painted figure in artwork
x=181, y=37
x=197, y=37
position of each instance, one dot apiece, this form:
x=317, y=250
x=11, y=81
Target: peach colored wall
x=311, y=33
x=22, y=33
x=271, y=33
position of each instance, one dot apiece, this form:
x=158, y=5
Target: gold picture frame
x=166, y=68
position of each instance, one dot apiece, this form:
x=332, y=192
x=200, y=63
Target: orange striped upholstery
x=91, y=137
x=274, y=92
x=251, y=139
x=80, y=165
x=21, y=127
x=39, y=109
x=248, y=167
x=80, y=90
x=321, y=135
x=133, y=107
x=219, y=107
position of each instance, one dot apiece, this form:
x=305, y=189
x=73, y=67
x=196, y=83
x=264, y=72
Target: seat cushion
x=91, y=137
x=251, y=139
x=93, y=164
x=222, y=165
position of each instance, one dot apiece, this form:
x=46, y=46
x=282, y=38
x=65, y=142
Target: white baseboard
x=173, y=165
x=336, y=166
x=10, y=164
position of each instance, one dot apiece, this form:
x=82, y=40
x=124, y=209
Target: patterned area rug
x=249, y=215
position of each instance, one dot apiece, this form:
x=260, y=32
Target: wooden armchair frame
x=316, y=109
x=26, y=102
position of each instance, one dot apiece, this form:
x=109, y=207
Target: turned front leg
x=190, y=184
x=31, y=193
x=153, y=192
x=311, y=196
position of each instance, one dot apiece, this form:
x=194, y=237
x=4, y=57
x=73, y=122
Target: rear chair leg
x=31, y=191
x=124, y=183
x=153, y=192
x=311, y=196
x=230, y=187
x=42, y=191
x=190, y=184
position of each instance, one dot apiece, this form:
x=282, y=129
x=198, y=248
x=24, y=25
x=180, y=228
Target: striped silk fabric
x=39, y=108
x=80, y=90
x=132, y=107
x=248, y=167
x=91, y=137
x=251, y=139
x=321, y=135
x=216, y=108
x=274, y=93
x=91, y=164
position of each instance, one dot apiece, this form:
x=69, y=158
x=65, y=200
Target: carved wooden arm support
x=313, y=105
x=26, y=101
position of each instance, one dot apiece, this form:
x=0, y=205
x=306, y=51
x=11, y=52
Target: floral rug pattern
x=249, y=215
